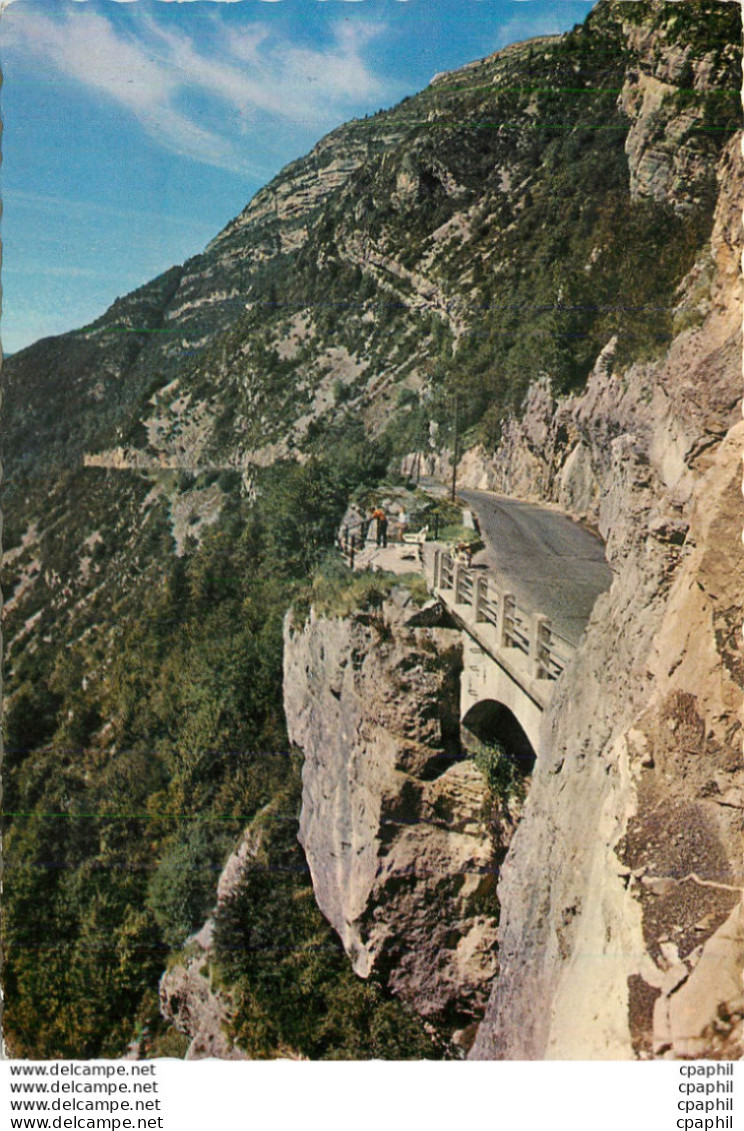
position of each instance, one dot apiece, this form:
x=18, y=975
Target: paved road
x=550, y=563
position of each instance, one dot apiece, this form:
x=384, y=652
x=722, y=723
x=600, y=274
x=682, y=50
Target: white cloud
x=179, y=91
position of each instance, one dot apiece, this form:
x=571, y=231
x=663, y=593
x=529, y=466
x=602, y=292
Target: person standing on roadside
x=382, y=524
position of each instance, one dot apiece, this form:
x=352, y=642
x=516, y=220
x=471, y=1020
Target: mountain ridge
x=176, y=470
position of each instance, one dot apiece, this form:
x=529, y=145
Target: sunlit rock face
x=580, y=286
x=621, y=896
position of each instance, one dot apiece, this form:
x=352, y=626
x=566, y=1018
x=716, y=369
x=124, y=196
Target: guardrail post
x=488, y=602
x=447, y=571
x=477, y=595
x=540, y=626
x=437, y=569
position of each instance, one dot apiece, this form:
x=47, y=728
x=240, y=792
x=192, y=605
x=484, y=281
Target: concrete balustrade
x=511, y=657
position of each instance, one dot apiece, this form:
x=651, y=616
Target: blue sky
x=134, y=130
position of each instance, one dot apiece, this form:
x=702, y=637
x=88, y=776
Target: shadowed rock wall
x=394, y=823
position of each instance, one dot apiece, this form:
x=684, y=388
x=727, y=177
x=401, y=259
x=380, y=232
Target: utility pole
x=454, y=452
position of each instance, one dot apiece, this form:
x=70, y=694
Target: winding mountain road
x=550, y=563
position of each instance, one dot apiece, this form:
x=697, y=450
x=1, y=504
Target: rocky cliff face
x=621, y=896
x=661, y=97
x=394, y=823
x=431, y=223
x=440, y=231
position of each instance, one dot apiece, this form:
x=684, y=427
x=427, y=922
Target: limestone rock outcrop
x=190, y=1003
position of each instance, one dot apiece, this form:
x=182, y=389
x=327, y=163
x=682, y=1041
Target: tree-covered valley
x=175, y=474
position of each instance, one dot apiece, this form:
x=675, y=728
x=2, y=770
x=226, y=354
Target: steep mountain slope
x=501, y=226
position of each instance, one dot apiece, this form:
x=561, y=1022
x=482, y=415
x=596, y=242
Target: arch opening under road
x=490, y=722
